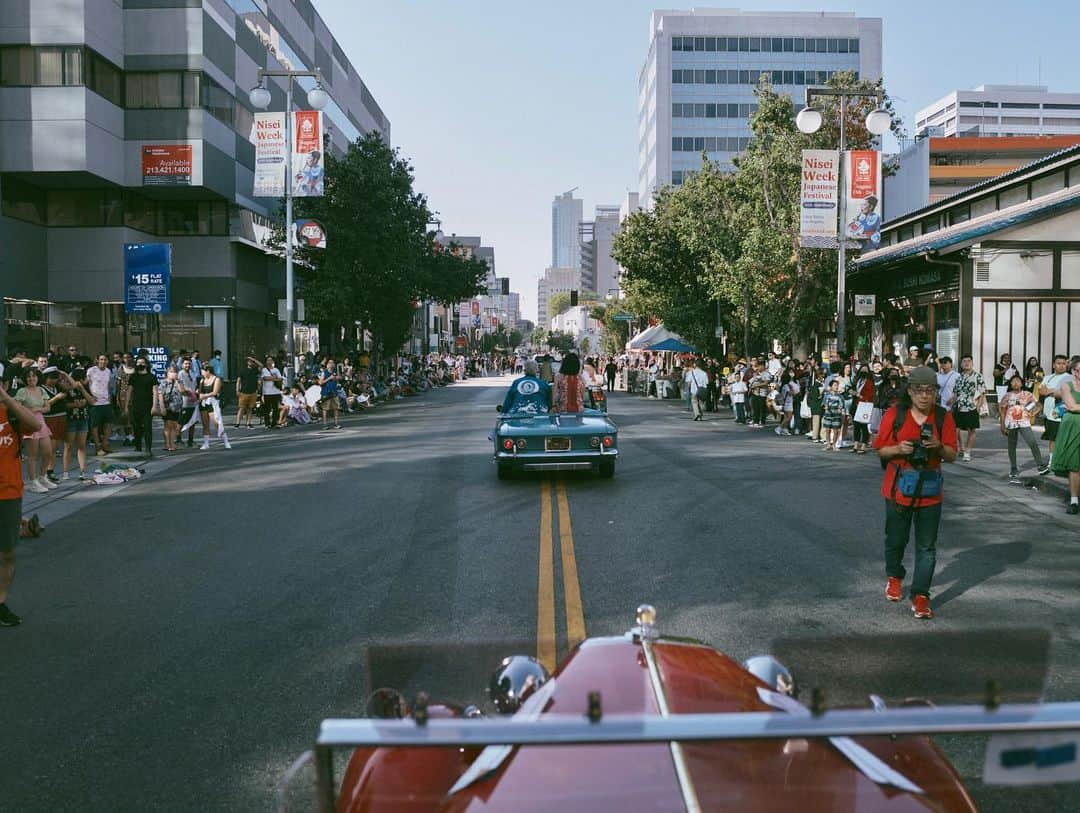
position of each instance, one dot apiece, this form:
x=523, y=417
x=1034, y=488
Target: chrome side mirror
x=770, y=671
x=515, y=679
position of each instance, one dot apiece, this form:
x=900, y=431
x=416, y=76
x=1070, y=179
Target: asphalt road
x=183, y=639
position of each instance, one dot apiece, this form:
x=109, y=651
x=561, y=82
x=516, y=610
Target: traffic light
x=573, y=299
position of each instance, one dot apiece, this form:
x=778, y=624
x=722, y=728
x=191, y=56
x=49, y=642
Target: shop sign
x=166, y=165
x=310, y=233
x=865, y=304
x=147, y=270
x=862, y=188
x=307, y=154
x=157, y=356
x=819, y=198
x=460, y=342
x=268, y=135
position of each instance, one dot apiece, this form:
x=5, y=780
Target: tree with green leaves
x=558, y=304
x=380, y=257
x=726, y=245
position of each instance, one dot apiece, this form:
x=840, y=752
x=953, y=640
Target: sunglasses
x=927, y=390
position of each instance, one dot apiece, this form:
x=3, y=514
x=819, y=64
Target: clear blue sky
x=502, y=105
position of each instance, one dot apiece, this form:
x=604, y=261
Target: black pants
x=271, y=404
x=757, y=409
x=861, y=432
x=611, y=383
x=142, y=423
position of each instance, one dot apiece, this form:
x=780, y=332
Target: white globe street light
x=317, y=98
x=259, y=97
x=808, y=121
x=878, y=122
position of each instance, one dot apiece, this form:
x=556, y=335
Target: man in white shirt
x=1051, y=388
x=99, y=380
x=271, y=379
x=698, y=382
x=946, y=379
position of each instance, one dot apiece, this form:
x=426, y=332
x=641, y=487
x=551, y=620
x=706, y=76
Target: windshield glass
x=387, y=362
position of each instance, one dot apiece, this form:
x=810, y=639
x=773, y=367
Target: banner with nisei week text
x=820, y=198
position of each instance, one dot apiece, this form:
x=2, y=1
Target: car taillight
x=522, y=443
x=508, y=444
x=609, y=441
x=594, y=442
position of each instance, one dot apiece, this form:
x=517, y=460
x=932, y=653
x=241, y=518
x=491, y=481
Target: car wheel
x=506, y=471
x=607, y=468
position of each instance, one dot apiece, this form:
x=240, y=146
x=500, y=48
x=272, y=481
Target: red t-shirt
x=911, y=431
x=11, y=482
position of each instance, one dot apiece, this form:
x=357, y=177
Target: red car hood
x=770, y=775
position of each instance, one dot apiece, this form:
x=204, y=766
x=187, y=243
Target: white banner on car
x=1032, y=759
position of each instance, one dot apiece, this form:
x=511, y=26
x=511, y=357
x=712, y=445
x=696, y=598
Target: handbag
x=915, y=484
x=864, y=411
x=875, y=420
x=804, y=409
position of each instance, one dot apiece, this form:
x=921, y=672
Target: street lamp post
x=809, y=121
x=317, y=99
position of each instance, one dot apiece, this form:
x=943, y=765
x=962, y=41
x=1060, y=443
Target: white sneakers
x=227, y=444
x=36, y=487
x=49, y=484
x=205, y=446
x=967, y=457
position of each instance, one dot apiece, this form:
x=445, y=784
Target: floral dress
x=833, y=417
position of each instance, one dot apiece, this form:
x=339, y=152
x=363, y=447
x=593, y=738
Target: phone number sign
x=147, y=271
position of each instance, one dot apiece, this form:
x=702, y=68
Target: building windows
x=1057, y=121
x=702, y=144
x=687, y=110
x=1021, y=105
x=1061, y=106
x=174, y=90
x=61, y=66
x=111, y=207
x=777, y=45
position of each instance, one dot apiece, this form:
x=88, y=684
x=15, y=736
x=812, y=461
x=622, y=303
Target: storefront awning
x=965, y=234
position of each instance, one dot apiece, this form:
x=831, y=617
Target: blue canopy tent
x=673, y=345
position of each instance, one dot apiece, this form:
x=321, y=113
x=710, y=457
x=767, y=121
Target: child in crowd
x=1017, y=409
x=833, y=418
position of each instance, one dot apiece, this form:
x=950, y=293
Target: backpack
x=901, y=416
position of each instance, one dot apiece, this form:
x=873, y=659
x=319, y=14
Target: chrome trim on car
x=678, y=758
x=744, y=725
x=590, y=454
x=554, y=466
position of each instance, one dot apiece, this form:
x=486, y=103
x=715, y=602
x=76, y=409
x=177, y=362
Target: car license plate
x=557, y=444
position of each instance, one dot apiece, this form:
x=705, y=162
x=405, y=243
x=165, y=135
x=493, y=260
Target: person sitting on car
x=569, y=386
x=529, y=394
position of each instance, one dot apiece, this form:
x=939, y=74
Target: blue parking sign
x=147, y=269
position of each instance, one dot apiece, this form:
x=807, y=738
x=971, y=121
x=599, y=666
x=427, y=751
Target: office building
x=599, y=273
x=565, y=215
x=696, y=89
x=86, y=88
x=936, y=167
x=1003, y=110
x=554, y=281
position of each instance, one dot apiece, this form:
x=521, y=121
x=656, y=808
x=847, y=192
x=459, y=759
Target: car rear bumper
x=556, y=461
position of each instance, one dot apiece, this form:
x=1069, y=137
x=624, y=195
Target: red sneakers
x=920, y=605
x=893, y=588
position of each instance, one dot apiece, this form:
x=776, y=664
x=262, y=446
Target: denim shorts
x=74, y=426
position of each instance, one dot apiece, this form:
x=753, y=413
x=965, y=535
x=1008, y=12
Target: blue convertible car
x=556, y=442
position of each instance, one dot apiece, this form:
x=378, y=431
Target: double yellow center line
x=575, y=615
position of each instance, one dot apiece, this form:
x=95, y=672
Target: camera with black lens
x=920, y=457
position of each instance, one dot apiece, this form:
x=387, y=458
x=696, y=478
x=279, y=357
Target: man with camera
x=915, y=436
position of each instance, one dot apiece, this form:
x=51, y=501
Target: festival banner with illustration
x=818, y=202
x=862, y=187
x=307, y=154
x=268, y=135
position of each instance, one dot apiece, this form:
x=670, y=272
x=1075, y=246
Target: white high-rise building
x=696, y=89
x=1002, y=110
x=565, y=216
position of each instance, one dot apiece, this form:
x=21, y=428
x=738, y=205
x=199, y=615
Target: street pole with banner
x=877, y=122
x=317, y=98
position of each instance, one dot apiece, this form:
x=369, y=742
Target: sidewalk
x=990, y=458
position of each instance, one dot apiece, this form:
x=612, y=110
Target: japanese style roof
x=964, y=234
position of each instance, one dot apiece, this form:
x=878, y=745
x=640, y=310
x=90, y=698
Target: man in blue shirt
x=528, y=395
x=217, y=365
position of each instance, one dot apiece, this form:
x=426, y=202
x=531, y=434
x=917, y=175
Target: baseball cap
x=922, y=376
